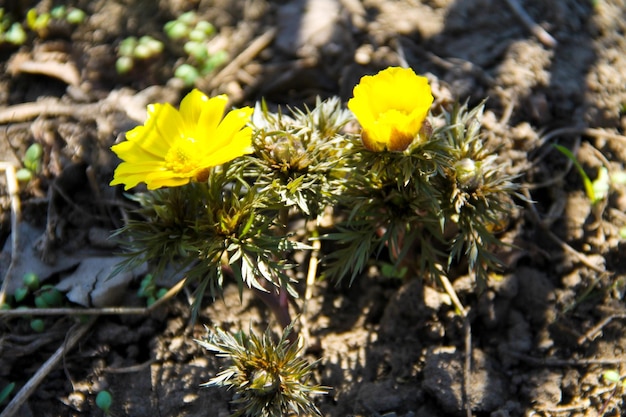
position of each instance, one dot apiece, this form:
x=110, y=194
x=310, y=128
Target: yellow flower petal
x=391, y=107
x=174, y=147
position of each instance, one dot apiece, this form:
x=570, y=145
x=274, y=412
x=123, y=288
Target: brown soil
x=387, y=346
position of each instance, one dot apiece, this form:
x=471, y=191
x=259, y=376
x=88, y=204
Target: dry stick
x=565, y=408
x=582, y=258
x=467, y=330
x=247, y=55
x=48, y=107
x=598, y=327
x=64, y=71
x=542, y=362
x=12, y=187
x=27, y=390
x=310, y=283
x=467, y=365
x=453, y=297
x=544, y=37
x=96, y=311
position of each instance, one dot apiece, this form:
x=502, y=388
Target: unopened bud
x=468, y=175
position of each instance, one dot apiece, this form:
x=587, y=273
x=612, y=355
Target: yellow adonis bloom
x=391, y=107
x=174, y=147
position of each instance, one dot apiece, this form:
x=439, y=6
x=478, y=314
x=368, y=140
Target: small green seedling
x=149, y=290
x=104, y=401
x=75, y=16
x=20, y=294
x=16, y=34
x=195, y=34
x=618, y=387
x=48, y=297
x=187, y=73
x=6, y=391
x=37, y=325
x=596, y=190
x=37, y=22
x=132, y=49
x=389, y=270
x=31, y=161
x=72, y=15
x=31, y=280
x=10, y=32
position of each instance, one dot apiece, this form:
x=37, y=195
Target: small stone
x=363, y=54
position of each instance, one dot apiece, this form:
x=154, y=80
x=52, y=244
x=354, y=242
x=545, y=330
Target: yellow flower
x=391, y=107
x=174, y=147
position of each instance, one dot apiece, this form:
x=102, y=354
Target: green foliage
x=6, y=392
x=31, y=161
x=441, y=199
x=194, y=34
x=270, y=378
x=597, y=190
x=298, y=158
x=48, y=296
x=149, y=290
x=40, y=22
x=11, y=32
x=133, y=49
x=202, y=227
x=31, y=281
x=15, y=34
x=37, y=325
x=104, y=400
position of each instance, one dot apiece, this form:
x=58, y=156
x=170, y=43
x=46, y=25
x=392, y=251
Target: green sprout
x=31, y=284
x=149, y=290
x=133, y=49
x=187, y=73
x=269, y=378
x=72, y=15
x=48, y=296
x=194, y=34
x=37, y=325
x=31, y=280
x=15, y=34
x=75, y=16
x=37, y=22
x=20, y=294
x=31, y=161
x=618, y=388
x=104, y=400
x=11, y=32
x=6, y=392
x=597, y=190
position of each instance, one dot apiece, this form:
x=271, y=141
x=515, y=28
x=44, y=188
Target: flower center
x=393, y=117
x=184, y=156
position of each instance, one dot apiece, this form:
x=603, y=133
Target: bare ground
x=543, y=331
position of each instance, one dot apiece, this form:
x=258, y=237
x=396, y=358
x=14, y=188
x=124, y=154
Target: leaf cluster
x=299, y=157
x=270, y=377
x=207, y=228
x=442, y=198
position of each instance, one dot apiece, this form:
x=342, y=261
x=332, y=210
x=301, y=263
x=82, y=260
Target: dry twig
x=30, y=387
x=582, y=258
x=590, y=334
x=544, y=37
x=13, y=188
x=103, y=311
x=247, y=55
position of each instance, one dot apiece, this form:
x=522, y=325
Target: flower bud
x=468, y=174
